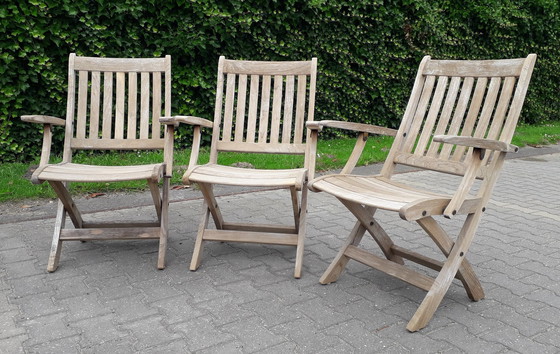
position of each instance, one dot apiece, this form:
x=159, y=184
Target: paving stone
x=177, y=309
x=130, y=309
x=13, y=344
x=305, y=333
x=253, y=333
x=121, y=345
x=47, y=329
x=150, y=333
x=8, y=327
x=35, y=305
x=201, y=333
x=62, y=345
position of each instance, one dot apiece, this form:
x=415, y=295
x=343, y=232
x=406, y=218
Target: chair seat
x=382, y=193
x=73, y=172
x=219, y=174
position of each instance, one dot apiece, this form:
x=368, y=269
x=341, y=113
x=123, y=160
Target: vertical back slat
x=252, y=114
x=265, y=105
x=288, y=110
x=501, y=109
x=82, y=104
x=228, y=107
x=472, y=115
x=132, y=105
x=458, y=117
x=94, y=105
x=144, y=105
x=276, y=109
x=412, y=133
x=300, y=108
x=240, y=112
x=156, y=105
x=445, y=114
x=487, y=108
x=107, y=105
x=119, y=112
x=432, y=116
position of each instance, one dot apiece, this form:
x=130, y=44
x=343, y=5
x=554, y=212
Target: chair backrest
x=115, y=104
x=264, y=107
x=480, y=98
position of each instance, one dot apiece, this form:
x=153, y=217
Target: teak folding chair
x=472, y=108
x=113, y=104
x=264, y=110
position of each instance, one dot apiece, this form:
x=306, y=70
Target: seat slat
x=70, y=172
x=250, y=177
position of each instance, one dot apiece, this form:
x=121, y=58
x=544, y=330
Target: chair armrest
x=359, y=127
x=47, y=122
x=363, y=131
x=191, y=120
x=43, y=120
x=197, y=123
x=479, y=143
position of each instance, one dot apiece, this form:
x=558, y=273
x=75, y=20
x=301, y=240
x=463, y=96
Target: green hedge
x=368, y=51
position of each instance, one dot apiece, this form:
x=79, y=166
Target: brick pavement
x=109, y=297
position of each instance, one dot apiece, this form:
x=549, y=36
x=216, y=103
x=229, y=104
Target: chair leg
x=156, y=196
x=163, y=215
x=56, y=245
x=365, y=215
x=197, y=252
x=64, y=196
x=301, y=227
x=296, y=206
x=438, y=290
x=339, y=262
x=212, y=204
x=467, y=276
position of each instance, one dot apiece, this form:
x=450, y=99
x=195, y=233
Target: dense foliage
x=367, y=51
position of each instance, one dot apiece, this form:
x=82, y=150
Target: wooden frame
x=459, y=120
x=95, y=119
x=261, y=107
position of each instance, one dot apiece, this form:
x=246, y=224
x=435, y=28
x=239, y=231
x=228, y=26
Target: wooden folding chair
x=113, y=104
x=471, y=108
x=264, y=110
